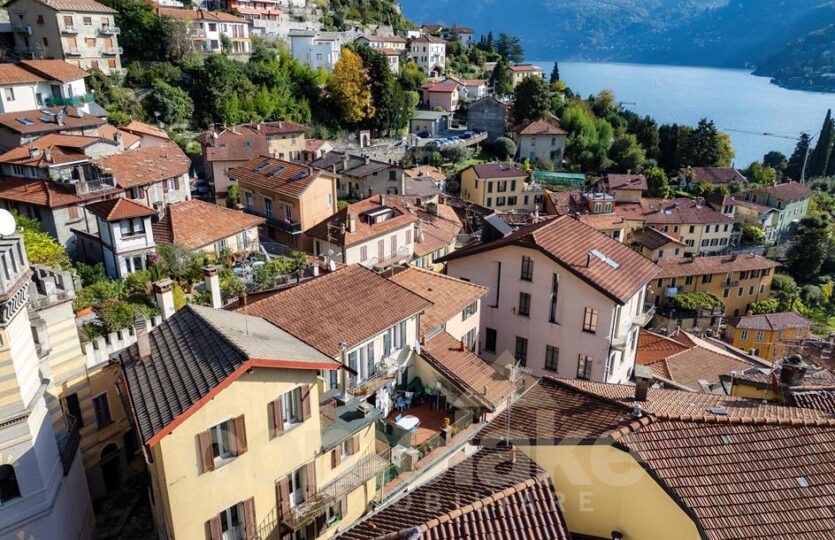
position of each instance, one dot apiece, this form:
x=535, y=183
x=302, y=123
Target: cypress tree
x=555, y=73
x=819, y=160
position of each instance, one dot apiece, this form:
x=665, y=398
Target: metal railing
x=107, y=29
x=642, y=319
x=111, y=51
x=287, y=225
x=69, y=29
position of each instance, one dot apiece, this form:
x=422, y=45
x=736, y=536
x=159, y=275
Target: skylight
x=25, y=121
x=726, y=439
x=262, y=166
x=278, y=171
x=603, y=258
x=802, y=481
x=298, y=176
x=45, y=119
x=721, y=411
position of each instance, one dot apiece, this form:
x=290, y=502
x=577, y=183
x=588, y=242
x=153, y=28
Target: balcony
x=69, y=29
x=21, y=28
x=619, y=342
x=289, y=226
x=367, y=468
x=110, y=30
x=730, y=283
x=68, y=444
x=73, y=101
x=72, y=52
x=111, y=51
x=643, y=319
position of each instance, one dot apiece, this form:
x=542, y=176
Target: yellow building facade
x=499, y=186
x=766, y=335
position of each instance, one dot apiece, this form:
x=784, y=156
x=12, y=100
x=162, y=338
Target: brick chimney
x=792, y=371
x=212, y=282
x=352, y=222
x=643, y=378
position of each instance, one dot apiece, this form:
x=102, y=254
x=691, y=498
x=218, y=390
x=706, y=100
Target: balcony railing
x=111, y=51
x=286, y=225
x=643, y=319
x=69, y=29
x=72, y=52
x=21, y=27
x=730, y=283
x=73, y=101
x=111, y=30
x=68, y=445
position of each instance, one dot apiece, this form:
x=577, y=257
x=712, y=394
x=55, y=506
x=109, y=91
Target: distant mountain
x=806, y=64
x=724, y=33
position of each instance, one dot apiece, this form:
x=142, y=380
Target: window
x=590, y=320
x=72, y=213
x=363, y=253
x=370, y=360
x=470, y=339
x=707, y=278
x=555, y=289
x=223, y=440
x=392, y=176
x=524, y=304
x=688, y=280
x=248, y=200
x=8, y=484
x=489, y=201
x=231, y=523
x=268, y=207
x=102, y=408
x=584, y=367
x=513, y=185
x=502, y=186
x=740, y=291
x=762, y=289
x=409, y=236
x=522, y=351
x=751, y=291
x=726, y=293
x=511, y=201
x=292, y=402
x=90, y=42
x=490, y=339
x=9, y=94
x=552, y=356
x=67, y=20
x=469, y=311
x=760, y=336
x=88, y=21
x=527, y=268
x=489, y=187
x=500, y=201
x=743, y=335
x=73, y=409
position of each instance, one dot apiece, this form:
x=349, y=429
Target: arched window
x=8, y=484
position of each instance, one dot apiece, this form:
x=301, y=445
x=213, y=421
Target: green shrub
x=696, y=301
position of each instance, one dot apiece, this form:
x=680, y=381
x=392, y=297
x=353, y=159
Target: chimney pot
x=792, y=371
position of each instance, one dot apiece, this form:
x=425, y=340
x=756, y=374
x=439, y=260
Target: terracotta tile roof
x=44, y=121
x=16, y=74
x=715, y=175
x=285, y=177
x=764, y=377
x=44, y=192
x=428, y=39
x=572, y=244
x=85, y=6
x=313, y=145
x=57, y=70
x=472, y=82
x=624, y=181
x=196, y=350
x=351, y=304
x=437, y=230
x=715, y=264
x=425, y=170
x=449, y=295
x=121, y=208
x=421, y=186
x=819, y=398
x=498, y=170
x=196, y=224
x=61, y=149
x=109, y=132
x=141, y=128
x=685, y=365
x=386, y=39
x=603, y=222
x=566, y=202
x=241, y=144
x=525, y=67
x=759, y=208
x=676, y=211
x=771, y=321
x=652, y=238
x=540, y=127
x=144, y=166
x=439, y=87
x=199, y=15
x=462, y=367
x=364, y=230
x=790, y=191
x=485, y=497
x=351, y=165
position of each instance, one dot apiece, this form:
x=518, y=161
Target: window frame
x=591, y=320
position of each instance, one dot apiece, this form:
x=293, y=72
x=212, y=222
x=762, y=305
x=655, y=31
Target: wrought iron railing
x=68, y=446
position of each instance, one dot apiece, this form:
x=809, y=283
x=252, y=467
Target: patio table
x=409, y=422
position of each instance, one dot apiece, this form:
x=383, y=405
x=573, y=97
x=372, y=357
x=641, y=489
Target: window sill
x=554, y=323
x=592, y=332
x=529, y=280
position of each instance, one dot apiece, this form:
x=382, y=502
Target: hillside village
x=305, y=270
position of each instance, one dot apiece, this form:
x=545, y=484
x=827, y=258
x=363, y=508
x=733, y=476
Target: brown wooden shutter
x=336, y=457
x=282, y=496
x=310, y=490
x=343, y=506
x=306, y=391
x=250, y=532
x=204, y=442
x=177, y=183
x=277, y=413
x=353, y=445
x=213, y=530
x=240, y=435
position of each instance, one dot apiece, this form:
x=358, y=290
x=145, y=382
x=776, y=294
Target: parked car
x=466, y=135
x=423, y=135
x=479, y=131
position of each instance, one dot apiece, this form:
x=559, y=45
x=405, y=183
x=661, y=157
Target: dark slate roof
x=357, y=166
x=486, y=496
x=192, y=353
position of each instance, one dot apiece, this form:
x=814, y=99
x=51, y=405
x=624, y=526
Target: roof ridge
x=445, y=276
x=747, y=420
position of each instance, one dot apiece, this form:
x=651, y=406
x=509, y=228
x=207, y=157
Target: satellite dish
x=7, y=223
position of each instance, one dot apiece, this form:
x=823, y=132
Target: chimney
x=588, y=259
x=344, y=162
x=258, y=126
x=343, y=375
x=47, y=154
x=792, y=371
x=164, y=297
x=432, y=208
x=352, y=222
x=143, y=342
x=462, y=346
x=643, y=378
x=367, y=160
x=119, y=139
x=34, y=152
x=212, y=281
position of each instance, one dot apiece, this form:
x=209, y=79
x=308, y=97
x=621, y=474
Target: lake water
x=734, y=99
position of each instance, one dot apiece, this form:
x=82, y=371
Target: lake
x=734, y=99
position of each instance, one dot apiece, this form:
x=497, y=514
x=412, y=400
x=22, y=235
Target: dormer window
x=132, y=227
